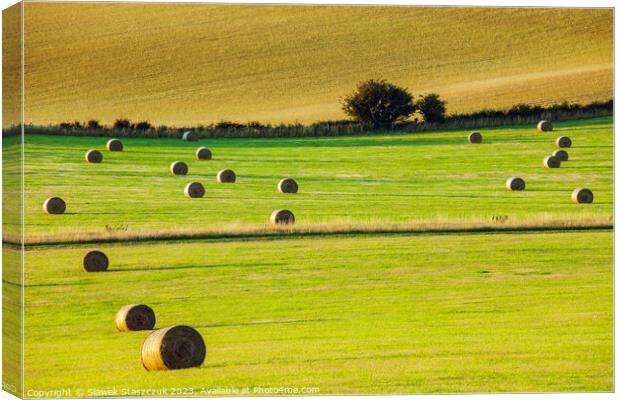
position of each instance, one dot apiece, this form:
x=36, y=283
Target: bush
x=432, y=108
x=229, y=125
x=523, y=110
x=255, y=125
x=122, y=123
x=377, y=103
x=143, y=126
x=93, y=124
x=71, y=125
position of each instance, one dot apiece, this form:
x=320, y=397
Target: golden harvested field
x=198, y=64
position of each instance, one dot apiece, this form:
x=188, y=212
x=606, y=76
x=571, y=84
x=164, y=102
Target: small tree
x=432, y=108
x=229, y=125
x=378, y=103
x=143, y=126
x=93, y=124
x=255, y=125
x=122, y=123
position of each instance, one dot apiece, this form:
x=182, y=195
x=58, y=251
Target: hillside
x=196, y=64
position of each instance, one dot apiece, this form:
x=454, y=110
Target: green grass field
x=369, y=314
x=198, y=64
x=430, y=305
x=430, y=179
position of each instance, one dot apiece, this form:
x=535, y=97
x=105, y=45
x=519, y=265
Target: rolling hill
x=197, y=64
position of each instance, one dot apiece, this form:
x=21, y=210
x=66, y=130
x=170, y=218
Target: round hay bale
x=515, y=183
x=179, y=168
x=95, y=261
x=190, y=136
x=563, y=142
x=475, y=137
x=194, y=190
x=226, y=176
x=562, y=155
x=282, y=217
x=551, y=162
x=54, y=205
x=288, y=185
x=176, y=347
x=135, y=317
x=114, y=145
x=544, y=126
x=94, y=156
x=582, y=195
x=203, y=153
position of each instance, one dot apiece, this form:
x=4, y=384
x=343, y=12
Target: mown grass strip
x=266, y=233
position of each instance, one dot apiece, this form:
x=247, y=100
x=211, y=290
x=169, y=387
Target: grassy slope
x=428, y=177
x=11, y=264
x=11, y=319
x=189, y=64
x=394, y=314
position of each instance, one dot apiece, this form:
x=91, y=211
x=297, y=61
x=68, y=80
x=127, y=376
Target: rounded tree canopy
x=378, y=103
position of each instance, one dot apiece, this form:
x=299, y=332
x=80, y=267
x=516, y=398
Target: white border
x=487, y=3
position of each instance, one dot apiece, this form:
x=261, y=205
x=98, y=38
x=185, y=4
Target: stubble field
x=199, y=64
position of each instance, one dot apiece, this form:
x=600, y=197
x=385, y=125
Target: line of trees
x=119, y=124
x=373, y=105
x=517, y=115
x=376, y=104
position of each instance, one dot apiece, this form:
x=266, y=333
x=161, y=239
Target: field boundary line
x=288, y=234
x=328, y=129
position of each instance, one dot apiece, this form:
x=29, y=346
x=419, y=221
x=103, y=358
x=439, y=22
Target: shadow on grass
x=35, y=285
x=252, y=323
x=171, y=237
x=184, y=267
